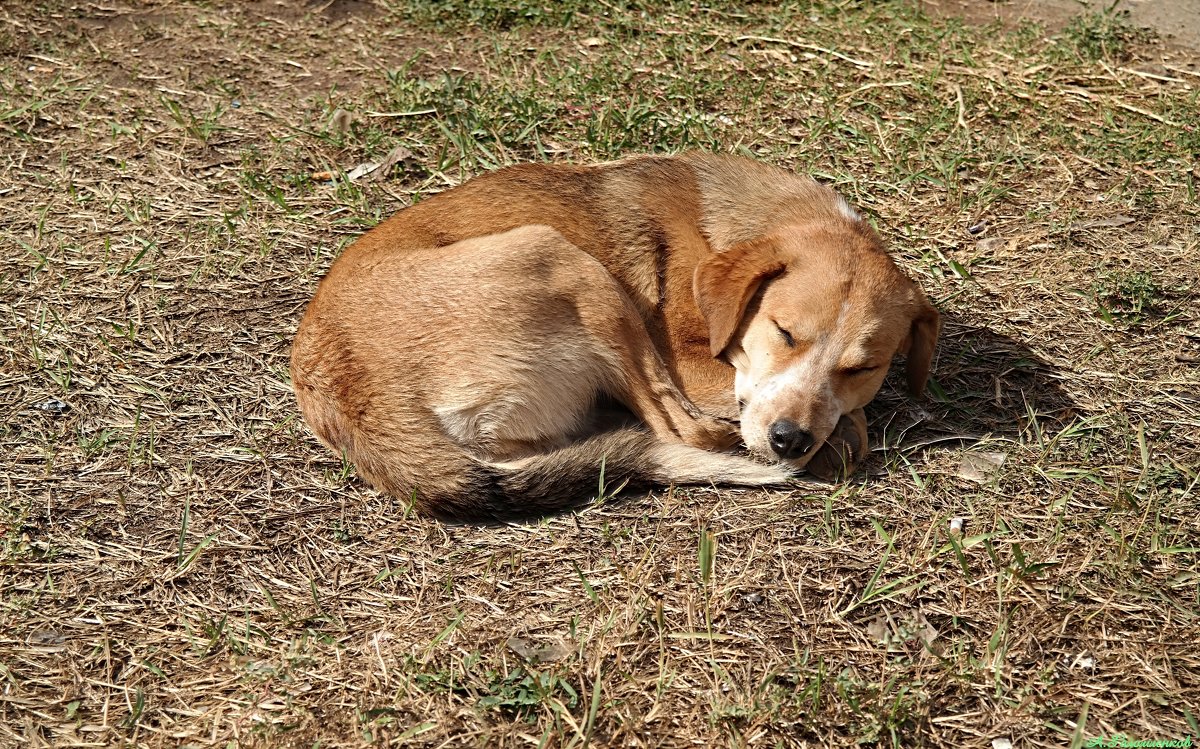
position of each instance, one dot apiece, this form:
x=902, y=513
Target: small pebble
x=978, y=228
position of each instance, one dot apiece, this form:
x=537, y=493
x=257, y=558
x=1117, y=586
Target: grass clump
x=1103, y=35
x=522, y=692
x=1128, y=294
x=496, y=14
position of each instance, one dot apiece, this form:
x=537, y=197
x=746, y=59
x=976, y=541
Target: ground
x=1173, y=21
x=181, y=564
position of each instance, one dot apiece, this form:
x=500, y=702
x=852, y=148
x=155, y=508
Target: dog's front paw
x=712, y=433
x=844, y=451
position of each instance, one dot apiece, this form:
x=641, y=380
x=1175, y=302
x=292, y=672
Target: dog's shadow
x=984, y=385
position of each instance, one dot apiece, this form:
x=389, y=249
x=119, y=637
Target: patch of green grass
x=1102, y=35
x=502, y=15
x=1128, y=295
x=496, y=14
x=518, y=691
x=454, y=678
x=888, y=713
x=523, y=691
x=602, y=107
x=201, y=126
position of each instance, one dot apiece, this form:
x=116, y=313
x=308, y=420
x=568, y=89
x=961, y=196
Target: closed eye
x=787, y=337
x=852, y=371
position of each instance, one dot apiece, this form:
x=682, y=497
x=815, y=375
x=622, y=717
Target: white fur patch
x=691, y=465
x=802, y=393
x=743, y=386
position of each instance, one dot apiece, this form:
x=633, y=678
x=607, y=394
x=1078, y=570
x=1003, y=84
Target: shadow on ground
x=985, y=385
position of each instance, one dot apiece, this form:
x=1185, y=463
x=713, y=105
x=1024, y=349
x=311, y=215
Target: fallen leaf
x=895, y=631
x=547, y=651
x=1102, y=223
x=379, y=169
x=47, y=637
x=47, y=640
x=394, y=157
x=1084, y=661
x=991, y=243
x=878, y=629
x=980, y=466
x=340, y=120
x=362, y=170
x=55, y=406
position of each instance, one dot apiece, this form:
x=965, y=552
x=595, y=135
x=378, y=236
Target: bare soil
x=1175, y=21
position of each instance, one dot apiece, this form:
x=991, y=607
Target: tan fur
x=458, y=352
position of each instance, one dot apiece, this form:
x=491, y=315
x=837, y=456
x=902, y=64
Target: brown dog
x=465, y=351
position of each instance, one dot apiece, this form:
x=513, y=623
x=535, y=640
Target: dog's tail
x=559, y=480
x=629, y=458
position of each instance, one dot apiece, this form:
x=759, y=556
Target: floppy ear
x=919, y=346
x=724, y=283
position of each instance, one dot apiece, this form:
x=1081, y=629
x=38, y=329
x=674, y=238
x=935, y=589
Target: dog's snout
x=788, y=440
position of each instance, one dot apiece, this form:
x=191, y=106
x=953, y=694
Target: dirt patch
x=1175, y=21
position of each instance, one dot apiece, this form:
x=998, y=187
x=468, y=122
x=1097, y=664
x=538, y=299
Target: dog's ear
x=919, y=345
x=724, y=283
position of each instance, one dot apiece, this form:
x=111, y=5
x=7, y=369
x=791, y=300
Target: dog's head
x=810, y=317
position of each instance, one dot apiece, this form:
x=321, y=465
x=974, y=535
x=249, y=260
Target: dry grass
x=183, y=565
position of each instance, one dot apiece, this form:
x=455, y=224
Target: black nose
x=788, y=440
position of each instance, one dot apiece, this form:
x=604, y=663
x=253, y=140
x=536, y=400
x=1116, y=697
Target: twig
x=413, y=113
x=958, y=95
x=1151, y=76
x=805, y=45
x=1174, y=69
x=1144, y=113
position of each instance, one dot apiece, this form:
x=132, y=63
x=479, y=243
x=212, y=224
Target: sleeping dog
x=469, y=352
